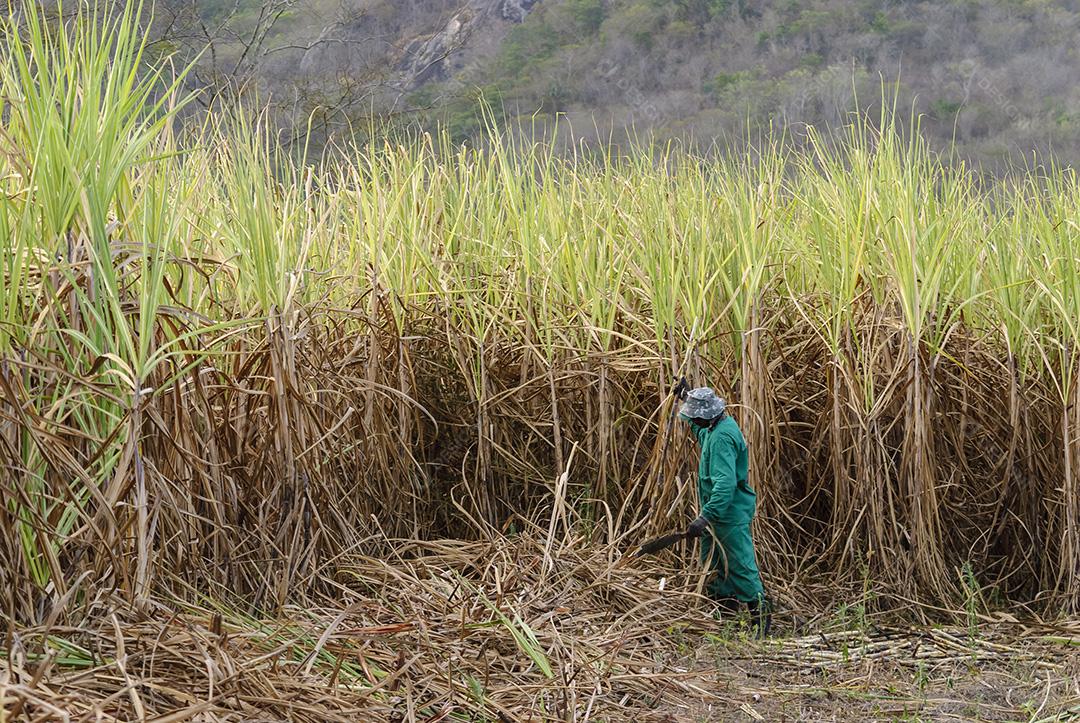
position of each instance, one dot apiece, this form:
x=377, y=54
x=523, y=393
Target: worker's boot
x=761, y=617
x=726, y=607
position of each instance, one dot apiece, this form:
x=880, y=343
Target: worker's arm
x=722, y=473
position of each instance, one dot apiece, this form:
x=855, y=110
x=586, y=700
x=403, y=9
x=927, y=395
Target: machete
x=661, y=543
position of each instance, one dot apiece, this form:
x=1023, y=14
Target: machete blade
x=660, y=543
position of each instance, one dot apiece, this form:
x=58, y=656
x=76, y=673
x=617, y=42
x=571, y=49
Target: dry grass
x=515, y=630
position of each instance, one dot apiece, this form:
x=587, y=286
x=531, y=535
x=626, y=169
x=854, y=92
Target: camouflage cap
x=702, y=403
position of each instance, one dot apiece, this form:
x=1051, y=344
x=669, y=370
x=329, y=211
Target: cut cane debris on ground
x=498, y=631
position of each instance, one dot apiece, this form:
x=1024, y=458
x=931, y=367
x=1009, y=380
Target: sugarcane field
x=409, y=428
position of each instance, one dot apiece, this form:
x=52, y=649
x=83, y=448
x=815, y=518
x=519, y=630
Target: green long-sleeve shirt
x=726, y=497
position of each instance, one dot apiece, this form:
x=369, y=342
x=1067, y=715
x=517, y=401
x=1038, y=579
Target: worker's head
x=702, y=407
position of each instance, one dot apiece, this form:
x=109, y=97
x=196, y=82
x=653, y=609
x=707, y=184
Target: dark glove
x=680, y=389
x=697, y=527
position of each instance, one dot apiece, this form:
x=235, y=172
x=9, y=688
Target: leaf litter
x=485, y=631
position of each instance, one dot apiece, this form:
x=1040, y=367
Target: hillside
x=996, y=75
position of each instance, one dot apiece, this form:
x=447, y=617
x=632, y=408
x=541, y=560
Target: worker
x=727, y=508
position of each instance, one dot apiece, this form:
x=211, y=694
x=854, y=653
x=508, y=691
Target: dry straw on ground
x=517, y=630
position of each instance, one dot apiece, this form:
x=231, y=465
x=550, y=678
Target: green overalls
x=728, y=503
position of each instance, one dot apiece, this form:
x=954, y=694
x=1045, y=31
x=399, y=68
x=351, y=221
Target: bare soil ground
x=991, y=673
x=523, y=630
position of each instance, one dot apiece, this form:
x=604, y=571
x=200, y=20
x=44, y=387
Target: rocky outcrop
x=425, y=59
x=515, y=10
